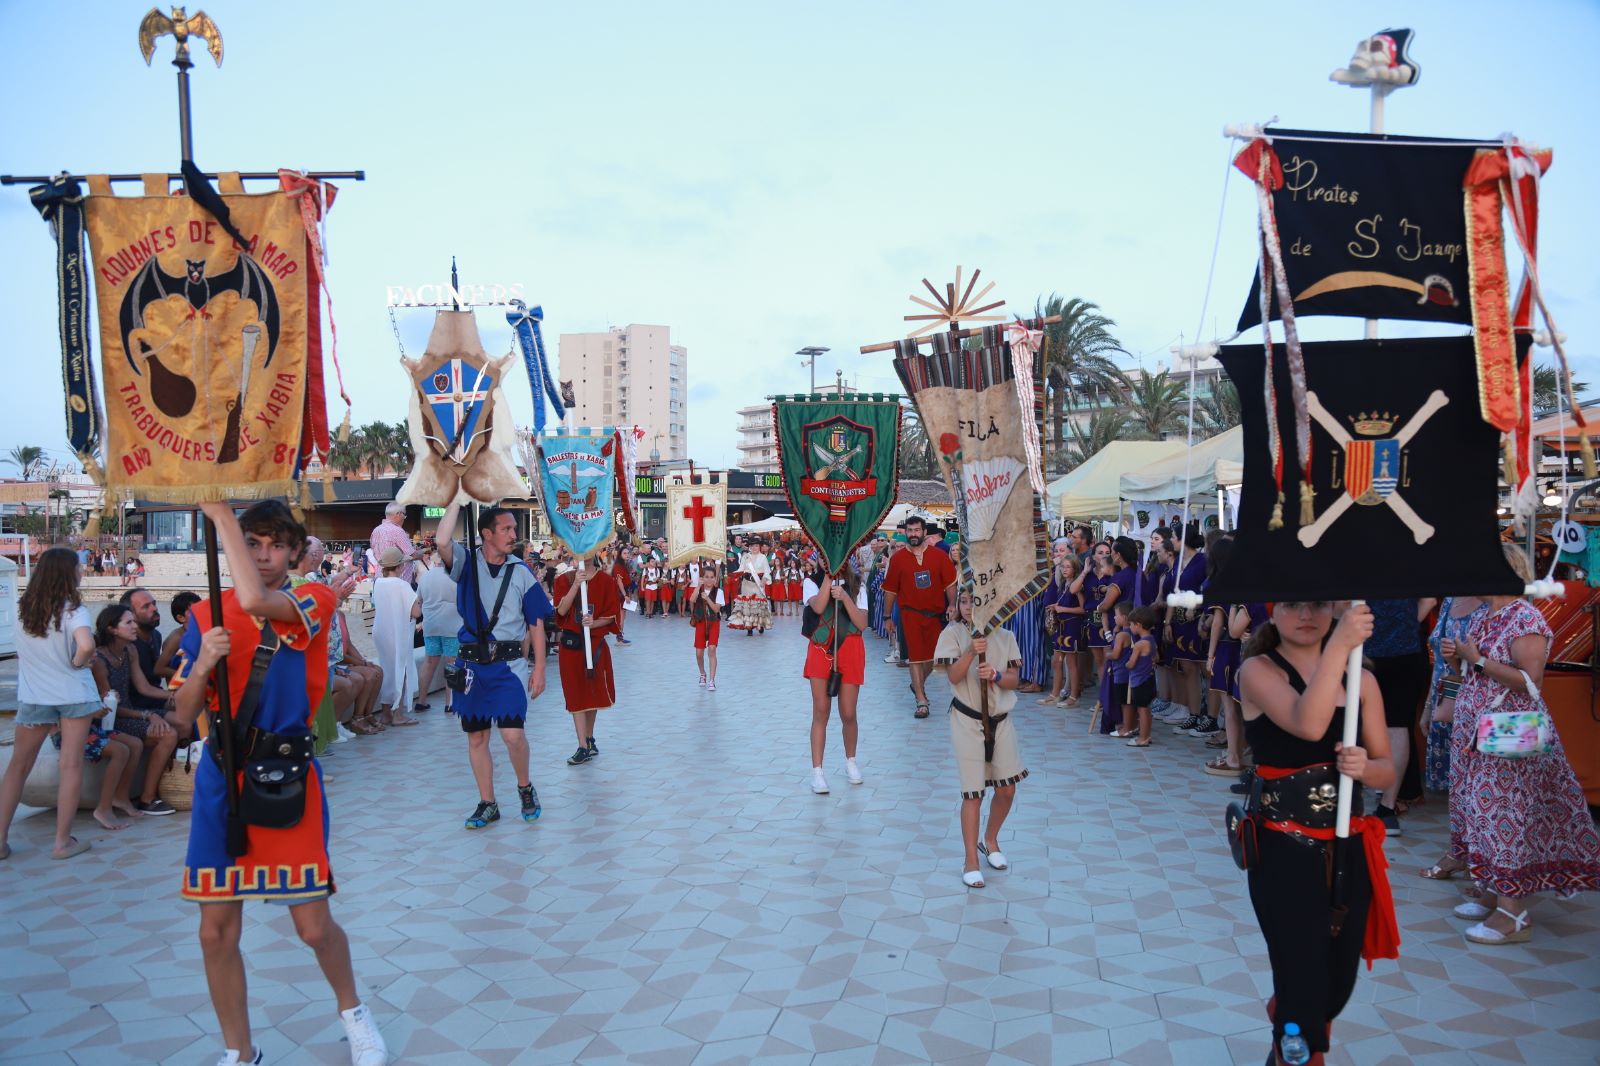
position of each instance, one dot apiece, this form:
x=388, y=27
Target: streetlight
x=812, y=351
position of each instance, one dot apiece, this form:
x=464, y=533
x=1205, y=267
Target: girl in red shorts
x=704, y=608
x=842, y=604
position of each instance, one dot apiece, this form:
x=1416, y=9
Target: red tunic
x=587, y=690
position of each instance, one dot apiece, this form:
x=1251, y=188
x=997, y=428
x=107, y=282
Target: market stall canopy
x=776, y=524
x=901, y=511
x=1090, y=490
x=1217, y=461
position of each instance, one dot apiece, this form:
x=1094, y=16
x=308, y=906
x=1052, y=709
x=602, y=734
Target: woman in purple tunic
x=1183, y=627
x=1066, y=608
x=1092, y=591
x=1148, y=592
x=1222, y=665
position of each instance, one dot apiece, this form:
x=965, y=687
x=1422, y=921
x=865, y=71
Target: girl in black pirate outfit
x=1292, y=684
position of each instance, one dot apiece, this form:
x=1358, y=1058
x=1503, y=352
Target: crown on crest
x=1376, y=424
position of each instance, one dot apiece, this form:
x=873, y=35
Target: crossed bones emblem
x=1421, y=531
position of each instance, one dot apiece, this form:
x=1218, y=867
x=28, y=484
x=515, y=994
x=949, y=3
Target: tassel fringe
x=1277, y=514
x=344, y=427
x=1586, y=452
x=1308, y=513
x=1510, y=461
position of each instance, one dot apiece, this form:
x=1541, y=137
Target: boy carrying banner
x=275, y=694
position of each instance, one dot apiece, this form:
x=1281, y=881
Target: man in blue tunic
x=503, y=608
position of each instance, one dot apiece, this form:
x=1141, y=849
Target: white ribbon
x=1025, y=344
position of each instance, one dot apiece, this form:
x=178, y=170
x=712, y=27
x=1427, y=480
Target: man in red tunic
x=923, y=583
x=587, y=691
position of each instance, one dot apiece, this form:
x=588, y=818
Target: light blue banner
x=578, y=478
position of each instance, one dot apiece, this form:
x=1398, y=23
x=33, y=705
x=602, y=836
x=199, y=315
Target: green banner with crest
x=840, y=461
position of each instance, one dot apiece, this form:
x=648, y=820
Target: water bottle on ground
x=1293, y=1048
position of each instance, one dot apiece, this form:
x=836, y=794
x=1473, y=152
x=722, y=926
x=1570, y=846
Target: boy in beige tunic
x=986, y=749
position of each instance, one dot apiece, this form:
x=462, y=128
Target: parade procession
x=1167, y=633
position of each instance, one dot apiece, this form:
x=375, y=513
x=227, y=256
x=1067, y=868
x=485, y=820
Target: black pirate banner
x=1367, y=228
x=1403, y=476
x=840, y=462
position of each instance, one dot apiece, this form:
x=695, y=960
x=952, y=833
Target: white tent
x=1090, y=490
x=1217, y=461
x=902, y=511
x=775, y=524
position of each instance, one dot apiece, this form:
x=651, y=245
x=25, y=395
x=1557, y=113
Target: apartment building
x=630, y=375
x=758, y=444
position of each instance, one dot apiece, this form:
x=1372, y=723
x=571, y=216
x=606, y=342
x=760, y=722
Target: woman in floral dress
x=1519, y=826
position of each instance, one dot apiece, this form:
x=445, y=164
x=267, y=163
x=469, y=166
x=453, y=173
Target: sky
x=760, y=177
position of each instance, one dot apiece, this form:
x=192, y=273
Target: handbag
x=1516, y=734
x=274, y=792
x=1243, y=832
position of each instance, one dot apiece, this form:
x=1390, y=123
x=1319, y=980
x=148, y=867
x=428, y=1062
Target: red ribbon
x=315, y=198
x=1381, y=939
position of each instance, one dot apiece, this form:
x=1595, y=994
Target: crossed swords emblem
x=1421, y=531
x=835, y=463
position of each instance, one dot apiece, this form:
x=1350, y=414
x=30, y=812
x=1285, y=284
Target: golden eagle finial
x=181, y=26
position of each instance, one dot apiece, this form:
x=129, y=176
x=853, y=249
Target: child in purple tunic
x=1116, y=717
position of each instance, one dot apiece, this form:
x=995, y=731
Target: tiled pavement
x=687, y=900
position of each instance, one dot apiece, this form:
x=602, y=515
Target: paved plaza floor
x=686, y=899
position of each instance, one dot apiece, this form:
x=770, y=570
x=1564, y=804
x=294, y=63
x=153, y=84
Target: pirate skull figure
x=1382, y=58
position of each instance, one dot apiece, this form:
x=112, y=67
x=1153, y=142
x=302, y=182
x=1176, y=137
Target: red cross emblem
x=697, y=512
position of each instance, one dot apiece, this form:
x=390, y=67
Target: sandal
x=74, y=847
x=994, y=858
x=922, y=711
x=1440, y=872
x=972, y=879
x=1219, y=767
x=1137, y=743
x=1521, y=931
x=403, y=719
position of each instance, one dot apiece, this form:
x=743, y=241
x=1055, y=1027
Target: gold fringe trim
x=1308, y=513
x=260, y=490
x=1276, y=522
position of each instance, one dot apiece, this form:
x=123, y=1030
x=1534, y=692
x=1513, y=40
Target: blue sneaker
x=622, y=639
x=530, y=802
x=483, y=816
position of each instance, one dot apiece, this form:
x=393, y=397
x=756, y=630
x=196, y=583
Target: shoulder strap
x=1297, y=682
x=499, y=600
x=244, y=717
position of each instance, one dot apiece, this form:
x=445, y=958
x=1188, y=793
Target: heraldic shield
x=839, y=464
x=1403, y=474
x=461, y=429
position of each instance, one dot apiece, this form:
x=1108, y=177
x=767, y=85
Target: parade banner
x=525, y=324
x=1404, y=478
x=979, y=419
x=697, y=523
x=204, y=344
x=578, y=479
x=840, y=462
x=1367, y=228
x=462, y=432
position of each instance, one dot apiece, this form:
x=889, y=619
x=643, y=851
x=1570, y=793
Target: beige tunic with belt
x=966, y=733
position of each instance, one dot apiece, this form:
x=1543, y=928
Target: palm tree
x=1547, y=391
x=1104, y=427
x=1079, y=353
x=1157, y=405
x=375, y=449
x=347, y=456
x=1219, y=412
x=916, y=450
x=400, y=454
x=27, y=458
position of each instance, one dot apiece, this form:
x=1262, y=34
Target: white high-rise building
x=758, y=443
x=630, y=376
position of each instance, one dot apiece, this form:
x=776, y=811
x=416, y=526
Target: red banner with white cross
x=697, y=523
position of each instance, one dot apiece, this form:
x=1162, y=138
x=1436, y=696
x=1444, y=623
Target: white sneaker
x=852, y=771
x=819, y=784
x=232, y=1059
x=702, y=680
x=344, y=735
x=892, y=657
x=366, y=1043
